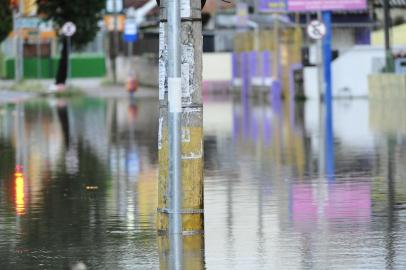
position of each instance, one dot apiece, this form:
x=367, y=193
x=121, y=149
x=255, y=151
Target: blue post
x=328, y=98
x=327, y=57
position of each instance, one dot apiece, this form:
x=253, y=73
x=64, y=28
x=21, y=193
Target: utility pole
x=320, y=77
x=19, y=43
x=387, y=25
x=180, y=142
x=115, y=42
x=113, y=7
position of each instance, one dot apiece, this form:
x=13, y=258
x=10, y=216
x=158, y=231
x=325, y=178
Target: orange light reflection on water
x=19, y=195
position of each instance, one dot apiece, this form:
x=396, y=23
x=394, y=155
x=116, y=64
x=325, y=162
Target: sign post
x=114, y=7
x=130, y=30
x=69, y=29
x=323, y=30
x=38, y=40
x=327, y=59
x=316, y=29
x=388, y=50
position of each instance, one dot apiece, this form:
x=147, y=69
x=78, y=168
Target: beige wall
x=216, y=66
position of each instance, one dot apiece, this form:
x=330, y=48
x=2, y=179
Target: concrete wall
x=387, y=103
x=216, y=67
x=387, y=86
x=349, y=71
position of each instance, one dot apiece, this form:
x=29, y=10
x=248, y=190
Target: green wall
x=83, y=66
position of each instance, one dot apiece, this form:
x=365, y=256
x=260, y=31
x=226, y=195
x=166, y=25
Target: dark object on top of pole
x=388, y=47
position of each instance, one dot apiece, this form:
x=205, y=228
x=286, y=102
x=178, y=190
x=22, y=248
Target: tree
x=6, y=19
x=85, y=14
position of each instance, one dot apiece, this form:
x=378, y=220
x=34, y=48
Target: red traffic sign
x=316, y=29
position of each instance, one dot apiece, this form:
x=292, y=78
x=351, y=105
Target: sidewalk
x=14, y=97
x=90, y=87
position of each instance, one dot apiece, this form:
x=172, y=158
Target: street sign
x=27, y=22
x=114, y=6
x=271, y=5
x=316, y=29
x=113, y=23
x=69, y=29
x=130, y=30
x=321, y=5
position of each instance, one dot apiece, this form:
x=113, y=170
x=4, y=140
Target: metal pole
x=18, y=57
x=115, y=41
x=69, y=51
x=130, y=56
x=388, y=49
x=16, y=70
x=175, y=114
x=327, y=58
x=320, y=62
x=39, y=55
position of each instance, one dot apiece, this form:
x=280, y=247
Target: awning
x=392, y=3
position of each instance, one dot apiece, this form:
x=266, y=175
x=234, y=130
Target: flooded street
x=284, y=188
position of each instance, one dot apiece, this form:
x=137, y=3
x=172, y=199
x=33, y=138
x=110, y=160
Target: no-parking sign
x=69, y=29
x=316, y=29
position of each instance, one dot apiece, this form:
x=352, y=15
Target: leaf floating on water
x=92, y=187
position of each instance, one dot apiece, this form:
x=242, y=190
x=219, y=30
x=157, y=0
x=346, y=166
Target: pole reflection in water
x=63, y=115
x=329, y=141
x=178, y=252
x=392, y=221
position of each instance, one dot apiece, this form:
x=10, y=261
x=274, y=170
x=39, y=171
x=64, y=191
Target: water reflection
x=19, y=191
x=80, y=174
x=291, y=190
x=182, y=252
x=286, y=186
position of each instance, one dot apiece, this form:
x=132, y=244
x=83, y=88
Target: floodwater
x=286, y=187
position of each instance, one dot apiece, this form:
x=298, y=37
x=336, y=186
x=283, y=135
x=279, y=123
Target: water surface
x=285, y=188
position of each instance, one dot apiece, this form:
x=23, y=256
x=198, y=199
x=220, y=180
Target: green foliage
x=84, y=13
x=6, y=16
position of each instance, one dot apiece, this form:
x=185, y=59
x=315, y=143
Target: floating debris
x=92, y=187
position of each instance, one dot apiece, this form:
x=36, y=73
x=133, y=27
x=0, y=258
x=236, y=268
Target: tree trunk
x=62, y=72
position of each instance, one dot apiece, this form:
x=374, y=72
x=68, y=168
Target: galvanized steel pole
x=175, y=116
x=115, y=42
x=19, y=44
